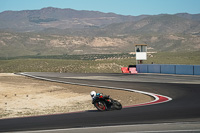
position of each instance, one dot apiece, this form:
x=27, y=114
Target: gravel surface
x=23, y=96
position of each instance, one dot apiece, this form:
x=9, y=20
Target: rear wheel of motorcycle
x=100, y=105
x=118, y=105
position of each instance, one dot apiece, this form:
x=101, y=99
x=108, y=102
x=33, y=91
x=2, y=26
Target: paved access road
x=184, y=106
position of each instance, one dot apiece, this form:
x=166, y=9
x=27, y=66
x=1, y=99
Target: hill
x=37, y=20
x=54, y=31
x=159, y=24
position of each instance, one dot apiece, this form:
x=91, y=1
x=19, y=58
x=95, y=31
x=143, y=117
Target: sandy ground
x=24, y=96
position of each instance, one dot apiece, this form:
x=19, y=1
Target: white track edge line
x=131, y=90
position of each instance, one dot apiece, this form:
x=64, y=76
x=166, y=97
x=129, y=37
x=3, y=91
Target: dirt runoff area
x=23, y=96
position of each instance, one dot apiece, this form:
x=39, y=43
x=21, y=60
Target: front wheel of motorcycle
x=117, y=105
x=100, y=105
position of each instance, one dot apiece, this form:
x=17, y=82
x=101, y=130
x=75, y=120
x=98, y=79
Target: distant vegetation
x=91, y=63
x=73, y=57
x=38, y=20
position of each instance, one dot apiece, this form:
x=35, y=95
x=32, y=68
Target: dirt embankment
x=23, y=96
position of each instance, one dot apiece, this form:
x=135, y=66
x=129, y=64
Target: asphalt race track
x=184, y=106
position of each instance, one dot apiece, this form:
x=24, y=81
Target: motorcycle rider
x=93, y=94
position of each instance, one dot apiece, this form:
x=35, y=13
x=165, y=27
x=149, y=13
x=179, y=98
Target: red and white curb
x=157, y=97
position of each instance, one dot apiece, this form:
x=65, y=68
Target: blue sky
x=124, y=7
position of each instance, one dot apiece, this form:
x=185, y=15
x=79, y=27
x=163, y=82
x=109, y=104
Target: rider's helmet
x=93, y=93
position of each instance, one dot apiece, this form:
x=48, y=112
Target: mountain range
x=66, y=31
x=37, y=20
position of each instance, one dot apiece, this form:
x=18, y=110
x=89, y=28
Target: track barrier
x=124, y=70
x=131, y=70
x=169, y=69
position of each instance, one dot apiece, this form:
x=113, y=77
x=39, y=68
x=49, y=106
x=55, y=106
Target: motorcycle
x=105, y=103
